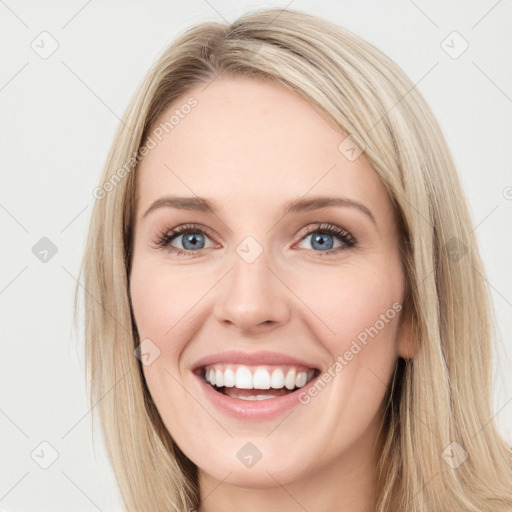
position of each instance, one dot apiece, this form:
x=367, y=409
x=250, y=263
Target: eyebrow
x=300, y=205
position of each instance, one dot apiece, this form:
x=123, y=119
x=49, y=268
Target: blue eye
x=322, y=240
x=194, y=237
x=322, y=236
x=193, y=241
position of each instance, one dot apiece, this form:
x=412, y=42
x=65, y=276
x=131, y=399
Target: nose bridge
x=252, y=297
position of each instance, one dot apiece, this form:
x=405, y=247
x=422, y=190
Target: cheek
x=351, y=300
x=358, y=308
x=163, y=302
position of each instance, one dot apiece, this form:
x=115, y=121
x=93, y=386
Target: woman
x=285, y=307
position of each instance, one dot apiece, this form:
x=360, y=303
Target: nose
x=252, y=297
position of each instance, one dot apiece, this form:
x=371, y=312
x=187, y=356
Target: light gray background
x=58, y=118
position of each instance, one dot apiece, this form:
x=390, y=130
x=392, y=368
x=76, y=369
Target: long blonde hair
x=441, y=396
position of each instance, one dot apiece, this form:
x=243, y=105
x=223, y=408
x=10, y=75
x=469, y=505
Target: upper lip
x=251, y=359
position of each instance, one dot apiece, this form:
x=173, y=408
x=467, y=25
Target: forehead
x=252, y=143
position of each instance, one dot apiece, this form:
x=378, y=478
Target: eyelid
x=342, y=234
x=170, y=234
x=347, y=240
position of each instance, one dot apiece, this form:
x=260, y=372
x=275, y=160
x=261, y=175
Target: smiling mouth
x=256, y=382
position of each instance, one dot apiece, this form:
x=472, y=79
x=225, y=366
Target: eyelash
x=164, y=240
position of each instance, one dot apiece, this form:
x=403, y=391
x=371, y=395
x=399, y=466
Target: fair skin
x=249, y=147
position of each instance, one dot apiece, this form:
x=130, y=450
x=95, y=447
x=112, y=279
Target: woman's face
x=256, y=294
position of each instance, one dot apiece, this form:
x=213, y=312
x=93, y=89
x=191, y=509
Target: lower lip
x=252, y=409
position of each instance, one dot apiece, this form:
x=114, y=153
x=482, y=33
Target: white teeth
x=229, y=378
x=257, y=397
x=261, y=379
x=241, y=377
x=300, y=381
x=277, y=379
x=219, y=378
x=289, y=380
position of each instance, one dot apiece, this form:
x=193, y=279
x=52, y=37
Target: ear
x=407, y=344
